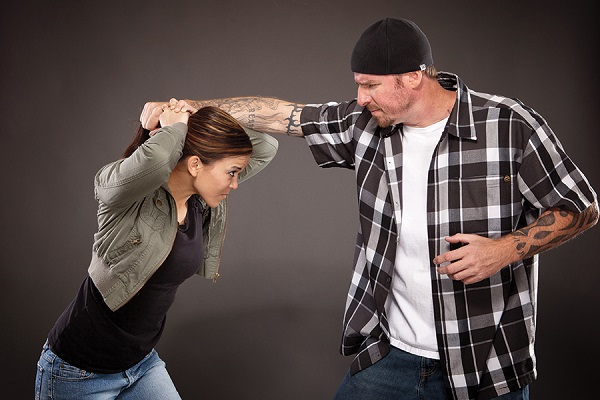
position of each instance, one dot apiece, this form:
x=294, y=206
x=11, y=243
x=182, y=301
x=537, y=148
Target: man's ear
x=194, y=165
x=415, y=78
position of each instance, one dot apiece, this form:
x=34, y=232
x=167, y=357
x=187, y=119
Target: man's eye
x=232, y=173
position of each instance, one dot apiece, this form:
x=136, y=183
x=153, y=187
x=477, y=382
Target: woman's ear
x=194, y=165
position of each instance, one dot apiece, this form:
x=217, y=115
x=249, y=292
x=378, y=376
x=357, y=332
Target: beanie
x=391, y=46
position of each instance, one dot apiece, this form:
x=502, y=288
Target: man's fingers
x=181, y=106
x=177, y=105
x=150, y=115
x=144, y=113
x=449, y=256
x=189, y=109
x=153, y=118
x=156, y=112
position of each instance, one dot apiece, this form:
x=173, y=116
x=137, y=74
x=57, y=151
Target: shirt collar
x=460, y=122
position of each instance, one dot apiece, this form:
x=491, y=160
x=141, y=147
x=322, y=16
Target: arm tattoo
x=551, y=229
x=261, y=113
x=293, y=122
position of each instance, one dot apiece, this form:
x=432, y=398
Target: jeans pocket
x=64, y=371
x=68, y=372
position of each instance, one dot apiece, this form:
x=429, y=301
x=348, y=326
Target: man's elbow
x=592, y=214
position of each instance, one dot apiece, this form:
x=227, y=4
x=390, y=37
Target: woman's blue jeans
x=59, y=380
x=401, y=375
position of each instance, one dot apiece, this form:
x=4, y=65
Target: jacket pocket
x=155, y=210
x=132, y=242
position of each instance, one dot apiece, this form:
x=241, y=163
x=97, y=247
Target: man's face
x=385, y=96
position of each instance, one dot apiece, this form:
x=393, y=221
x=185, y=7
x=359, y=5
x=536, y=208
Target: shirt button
x=159, y=203
x=507, y=178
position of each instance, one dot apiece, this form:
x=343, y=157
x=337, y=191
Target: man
x=458, y=193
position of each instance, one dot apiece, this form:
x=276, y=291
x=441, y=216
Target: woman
x=161, y=219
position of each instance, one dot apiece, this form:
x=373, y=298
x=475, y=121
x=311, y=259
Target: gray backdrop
x=74, y=77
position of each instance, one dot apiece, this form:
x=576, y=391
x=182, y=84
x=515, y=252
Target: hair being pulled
x=212, y=135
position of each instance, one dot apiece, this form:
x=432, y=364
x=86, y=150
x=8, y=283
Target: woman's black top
x=90, y=336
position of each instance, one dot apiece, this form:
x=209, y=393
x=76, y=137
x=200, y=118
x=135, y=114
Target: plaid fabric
x=496, y=168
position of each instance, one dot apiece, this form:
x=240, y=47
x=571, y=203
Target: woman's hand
x=169, y=117
x=152, y=112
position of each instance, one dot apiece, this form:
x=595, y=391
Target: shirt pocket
x=480, y=202
x=479, y=191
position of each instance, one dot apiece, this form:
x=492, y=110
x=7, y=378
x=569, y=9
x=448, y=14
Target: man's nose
x=363, y=98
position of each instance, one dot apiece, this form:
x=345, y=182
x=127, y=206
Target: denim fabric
x=59, y=380
x=401, y=375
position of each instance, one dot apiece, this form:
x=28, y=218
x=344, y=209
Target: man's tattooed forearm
x=552, y=229
x=260, y=113
x=293, y=122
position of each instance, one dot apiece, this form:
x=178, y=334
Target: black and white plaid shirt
x=496, y=168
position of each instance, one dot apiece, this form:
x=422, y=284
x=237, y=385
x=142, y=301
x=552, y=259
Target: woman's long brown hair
x=212, y=135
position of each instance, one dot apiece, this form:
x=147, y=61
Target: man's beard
x=383, y=121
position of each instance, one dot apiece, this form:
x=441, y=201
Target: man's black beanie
x=391, y=46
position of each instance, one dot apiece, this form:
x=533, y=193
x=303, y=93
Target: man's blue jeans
x=57, y=379
x=403, y=376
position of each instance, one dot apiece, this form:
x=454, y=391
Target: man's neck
x=434, y=105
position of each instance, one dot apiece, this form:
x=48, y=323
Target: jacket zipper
x=216, y=274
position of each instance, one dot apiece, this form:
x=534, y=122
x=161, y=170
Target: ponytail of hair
x=212, y=135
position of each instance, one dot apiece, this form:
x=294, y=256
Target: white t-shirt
x=409, y=306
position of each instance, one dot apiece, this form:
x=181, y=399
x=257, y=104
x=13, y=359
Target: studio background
x=74, y=77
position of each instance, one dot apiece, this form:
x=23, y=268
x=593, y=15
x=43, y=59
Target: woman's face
x=214, y=182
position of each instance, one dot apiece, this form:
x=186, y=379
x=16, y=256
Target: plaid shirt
x=496, y=168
